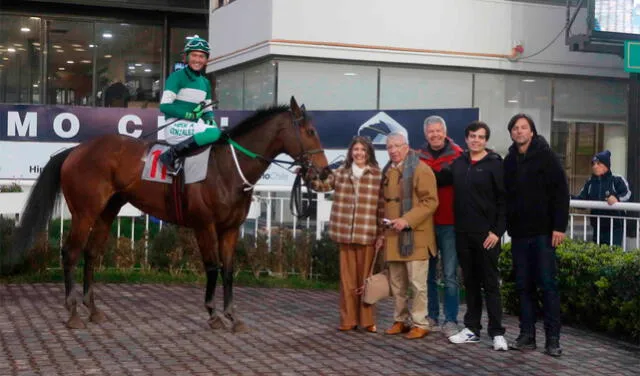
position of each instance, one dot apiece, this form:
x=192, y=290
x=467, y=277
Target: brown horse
x=98, y=177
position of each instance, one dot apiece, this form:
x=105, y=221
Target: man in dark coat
x=479, y=203
x=537, y=215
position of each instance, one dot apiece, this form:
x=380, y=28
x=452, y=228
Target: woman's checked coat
x=354, y=221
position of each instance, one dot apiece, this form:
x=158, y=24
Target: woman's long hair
x=366, y=142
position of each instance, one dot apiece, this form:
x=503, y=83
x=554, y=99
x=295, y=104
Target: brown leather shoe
x=371, y=329
x=397, y=328
x=416, y=333
x=346, y=328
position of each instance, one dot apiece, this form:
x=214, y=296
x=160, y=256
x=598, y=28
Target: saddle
x=194, y=165
x=194, y=169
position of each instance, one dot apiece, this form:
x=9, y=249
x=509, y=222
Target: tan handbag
x=376, y=286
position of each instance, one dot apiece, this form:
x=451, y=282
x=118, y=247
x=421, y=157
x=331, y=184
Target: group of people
x=438, y=205
x=440, y=202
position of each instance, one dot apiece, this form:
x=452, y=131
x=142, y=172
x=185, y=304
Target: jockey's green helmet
x=196, y=44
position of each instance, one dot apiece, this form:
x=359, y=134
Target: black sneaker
x=524, y=342
x=552, y=346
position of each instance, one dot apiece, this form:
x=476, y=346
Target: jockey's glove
x=190, y=116
x=198, y=110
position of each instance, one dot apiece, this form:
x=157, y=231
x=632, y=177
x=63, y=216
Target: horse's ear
x=303, y=108
x=295, y=108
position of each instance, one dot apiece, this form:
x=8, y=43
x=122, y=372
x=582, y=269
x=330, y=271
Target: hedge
x=599, y=287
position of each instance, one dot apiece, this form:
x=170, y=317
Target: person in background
x=605, y=186
x=438, y=153
x=353, y=225
x=408, y=199
x=479, y=204
x=537, y=216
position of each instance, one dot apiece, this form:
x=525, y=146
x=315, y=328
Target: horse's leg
x=97, y=239
x=227, y=254
x=80, y=228
x=208, y=244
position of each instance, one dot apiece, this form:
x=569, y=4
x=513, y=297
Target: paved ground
x=162, y=330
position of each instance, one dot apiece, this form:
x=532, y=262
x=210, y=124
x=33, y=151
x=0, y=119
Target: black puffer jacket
x=537, y=191
x=479, y=196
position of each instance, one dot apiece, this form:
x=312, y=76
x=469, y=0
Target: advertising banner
x=30, y=134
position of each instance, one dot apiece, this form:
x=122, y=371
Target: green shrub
x=326, y=259
x=13, y=187
x=599, y=287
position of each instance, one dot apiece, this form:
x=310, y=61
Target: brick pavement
x=162, y=330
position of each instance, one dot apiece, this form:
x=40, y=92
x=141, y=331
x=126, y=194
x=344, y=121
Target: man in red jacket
x=439, y=153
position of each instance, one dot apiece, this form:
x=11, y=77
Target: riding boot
x=169, y=157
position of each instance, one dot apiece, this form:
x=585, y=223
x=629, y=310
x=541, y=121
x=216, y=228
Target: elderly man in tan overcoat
x=408, y=199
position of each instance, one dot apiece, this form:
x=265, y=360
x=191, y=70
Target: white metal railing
x=270, y=209
x=579, y=228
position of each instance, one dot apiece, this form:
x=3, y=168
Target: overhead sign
x=617, y=16
x=632, y=56
x=30, y=134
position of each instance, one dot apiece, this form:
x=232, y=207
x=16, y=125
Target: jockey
x=186, y=100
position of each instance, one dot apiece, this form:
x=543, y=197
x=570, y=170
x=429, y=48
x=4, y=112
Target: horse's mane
x=256, y=119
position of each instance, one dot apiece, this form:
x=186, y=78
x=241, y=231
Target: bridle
x=297, y=205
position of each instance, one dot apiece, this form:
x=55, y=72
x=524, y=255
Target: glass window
x=499, y=97
x=70, y=63
x=128, y=62
x=19, y=59
x=259, y=86
x=229, y=90
x=247, y=89
x=402, y=88
x=590, y=100
x=324, y=86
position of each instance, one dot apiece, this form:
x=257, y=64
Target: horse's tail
x=38, y=209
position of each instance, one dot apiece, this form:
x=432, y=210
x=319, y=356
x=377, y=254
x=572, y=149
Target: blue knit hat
x=603, y=157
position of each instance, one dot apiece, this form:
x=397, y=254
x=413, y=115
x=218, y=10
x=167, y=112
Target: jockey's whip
x=171, y=122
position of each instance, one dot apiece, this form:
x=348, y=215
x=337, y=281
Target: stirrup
x=176, y=170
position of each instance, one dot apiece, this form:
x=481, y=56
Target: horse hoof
x=75, y=322
x=239, y=327
x=216, y=323
x=97, y=317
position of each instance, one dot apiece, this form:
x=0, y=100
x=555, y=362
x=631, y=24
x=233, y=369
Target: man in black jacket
x=479, y=204
x=537, y=216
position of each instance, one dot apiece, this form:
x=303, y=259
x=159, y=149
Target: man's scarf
x=408, y=169
x=405, y=240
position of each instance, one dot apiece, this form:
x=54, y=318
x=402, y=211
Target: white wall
x=459, y=26
x=240, y=25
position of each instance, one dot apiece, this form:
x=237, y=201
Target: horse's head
x=301, y=141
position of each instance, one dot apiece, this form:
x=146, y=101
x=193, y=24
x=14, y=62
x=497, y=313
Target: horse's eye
x=311, y=132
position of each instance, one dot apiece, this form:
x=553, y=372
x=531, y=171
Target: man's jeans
x=534, y=263
x=446, y=242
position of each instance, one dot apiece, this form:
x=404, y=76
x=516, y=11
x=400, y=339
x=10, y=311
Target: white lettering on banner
x=73, y=121
x=161, y=122
x=15, y=123
x=124, y=121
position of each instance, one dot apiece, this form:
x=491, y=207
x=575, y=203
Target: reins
x=296, y=203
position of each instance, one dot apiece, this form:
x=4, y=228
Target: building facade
x=107, y=53
x=503, y=57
